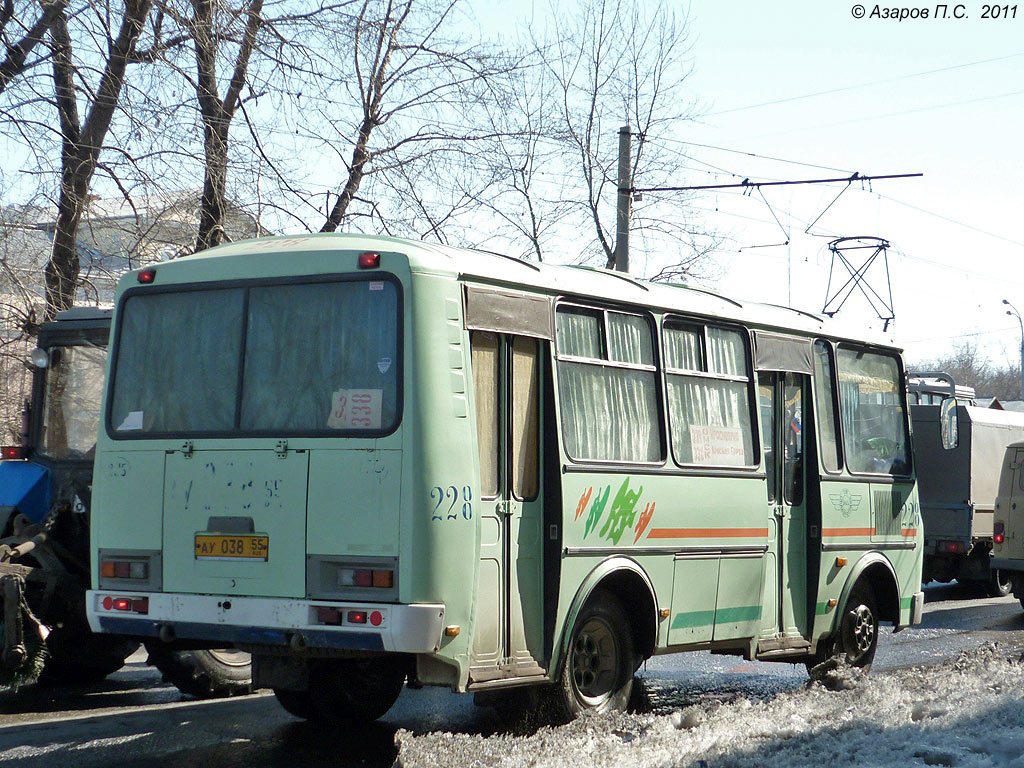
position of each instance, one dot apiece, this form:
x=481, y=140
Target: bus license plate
x=221, y=547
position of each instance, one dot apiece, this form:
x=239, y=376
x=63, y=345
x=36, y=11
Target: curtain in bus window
x=710, y=421
x=629, y=339
x=727, y=354
x=683, y=348
x=177, y=362
x=525, y=418
x=609, y=413
x=828, y=435
x=874, y=423
x=321, y=356
x=484, y=348
x=579, y=333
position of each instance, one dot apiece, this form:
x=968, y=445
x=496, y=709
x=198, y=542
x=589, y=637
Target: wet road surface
x=135, y=719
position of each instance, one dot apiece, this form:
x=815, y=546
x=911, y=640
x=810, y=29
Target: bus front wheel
x=597, y=672
x=855, y=643
x=346, y=690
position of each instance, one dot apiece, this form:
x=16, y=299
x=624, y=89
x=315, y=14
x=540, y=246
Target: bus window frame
x=652, y=324
x=902, y=390
x=830, y=347
x=755, y=428
x=245, y=285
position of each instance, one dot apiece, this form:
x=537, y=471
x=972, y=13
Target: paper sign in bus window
x=355, y=409
x=717, y=445
x=132, y=421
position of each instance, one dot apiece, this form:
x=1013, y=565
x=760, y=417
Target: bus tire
x=856, y=640
x=346, y=691
x=205, y=674
x=597, y=671
x=83, y=657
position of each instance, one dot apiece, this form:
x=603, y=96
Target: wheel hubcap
x=594, y=662
x=231, y=657
x=861, y=634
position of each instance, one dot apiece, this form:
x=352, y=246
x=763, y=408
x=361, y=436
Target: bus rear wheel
x=597, y=672
x=205, y=674
x=346, y=691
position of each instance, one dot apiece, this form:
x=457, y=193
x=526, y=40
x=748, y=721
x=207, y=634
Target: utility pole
x=625, y=198
x=1015, y=313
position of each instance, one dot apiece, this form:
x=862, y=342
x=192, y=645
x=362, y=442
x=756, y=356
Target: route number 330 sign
x=355, y=409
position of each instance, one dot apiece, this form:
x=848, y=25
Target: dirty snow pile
x=963, y=713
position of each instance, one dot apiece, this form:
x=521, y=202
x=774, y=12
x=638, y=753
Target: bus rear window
x=310, y=358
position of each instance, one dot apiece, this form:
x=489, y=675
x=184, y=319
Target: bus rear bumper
x=227, y=620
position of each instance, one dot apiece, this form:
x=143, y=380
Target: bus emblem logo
x=845, y=502
x=384, y=364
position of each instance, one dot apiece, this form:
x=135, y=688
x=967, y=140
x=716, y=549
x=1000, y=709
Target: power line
x=748, y=184
x=861, y=85
x=760, y=157
x=973, y=334
x=952, y=221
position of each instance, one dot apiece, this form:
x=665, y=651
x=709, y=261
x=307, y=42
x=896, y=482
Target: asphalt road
x=135, y=719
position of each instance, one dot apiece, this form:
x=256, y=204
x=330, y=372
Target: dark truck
x=958, y=487
x=45, y=496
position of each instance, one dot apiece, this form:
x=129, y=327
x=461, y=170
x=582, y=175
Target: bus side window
x=525, y=418
x=484, y=348
x=766, y=400
x=824, y=389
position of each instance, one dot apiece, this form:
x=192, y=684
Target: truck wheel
x=999, y=584
x=346, y=691
x=597, y=672
x=205, y=674
x=83, y=657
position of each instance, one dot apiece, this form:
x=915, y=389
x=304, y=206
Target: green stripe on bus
x=722, y=616
x=693, y=619
x=743, y=613
x=906, y=602
x=821, y=609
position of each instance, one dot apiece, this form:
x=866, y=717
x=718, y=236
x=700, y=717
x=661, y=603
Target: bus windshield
x=309, y=358
x=71, y=409
x=874, y=420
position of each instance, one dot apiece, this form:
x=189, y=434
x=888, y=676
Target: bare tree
x=20, y=35
x=82, y=141
x=968, y=367
x=417, y=89
x=609, y=63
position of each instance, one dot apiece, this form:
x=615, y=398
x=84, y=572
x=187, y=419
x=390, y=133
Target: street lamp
x=1013, y=311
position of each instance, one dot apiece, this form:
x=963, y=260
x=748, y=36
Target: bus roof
x=510, y=272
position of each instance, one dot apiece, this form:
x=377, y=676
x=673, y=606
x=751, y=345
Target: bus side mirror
x=947, y=423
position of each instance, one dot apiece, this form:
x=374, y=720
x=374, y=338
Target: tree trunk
x=82, y=145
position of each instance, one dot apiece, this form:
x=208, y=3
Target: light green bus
x=368, y=461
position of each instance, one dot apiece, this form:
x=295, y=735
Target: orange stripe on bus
x=835, y=532
x=706, y=533
x=908, y=532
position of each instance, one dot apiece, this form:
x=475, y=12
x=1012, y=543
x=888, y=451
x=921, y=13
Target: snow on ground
x=963, y=713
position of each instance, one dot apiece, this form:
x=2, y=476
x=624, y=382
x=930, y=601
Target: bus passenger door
x=783, y=403
x=508, y=636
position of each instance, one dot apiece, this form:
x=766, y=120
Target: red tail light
x=356, y=617
x=368, y=260
x=12, y=452
x=147, y=276
x=998, y=535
